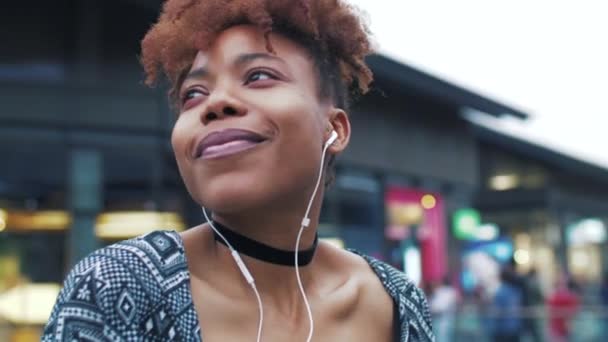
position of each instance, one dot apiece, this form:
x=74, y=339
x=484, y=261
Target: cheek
x=185, y=128
x=179, y=141
x=180, y=137
x=301, y=134
x=299, y=154
x=297, y=117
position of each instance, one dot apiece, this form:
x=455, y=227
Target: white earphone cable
x=244, y=271
x=305, y=223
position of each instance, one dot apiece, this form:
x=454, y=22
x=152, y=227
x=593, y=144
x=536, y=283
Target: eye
x=189, y=97
x=260, y=75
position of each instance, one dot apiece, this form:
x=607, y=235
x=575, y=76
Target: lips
x=226, y=142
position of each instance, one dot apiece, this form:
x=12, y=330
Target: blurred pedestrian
x=563, y=305
x=443, y=304
x=532, y=301
x=505, y=322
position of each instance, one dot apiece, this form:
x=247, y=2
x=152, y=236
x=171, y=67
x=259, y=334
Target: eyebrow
x=197, y=73
x=239, y=61
x=250, y=57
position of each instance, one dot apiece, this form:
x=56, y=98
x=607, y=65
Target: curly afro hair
x=331, y=30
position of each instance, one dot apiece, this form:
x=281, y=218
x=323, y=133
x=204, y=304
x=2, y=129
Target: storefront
x=552, y=207
x=402, y=225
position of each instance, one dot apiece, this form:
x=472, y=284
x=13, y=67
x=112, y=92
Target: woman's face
x=251, y=126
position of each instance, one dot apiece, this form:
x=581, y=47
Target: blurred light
x=336, y=242
x=413, y=264
x=580, y=259
x=465, y=223
x=504, y=182
x=596, y=230
x=2, y=220
x=503, y=251
x=487, y=231
x=591, y=230
x=428, y=201
x=404, y=214
x=523, y=240
x=522, y=256
x=28, y=304
x=127, y=224
x=44, y=220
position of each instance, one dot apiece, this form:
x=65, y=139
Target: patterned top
x=139, y=290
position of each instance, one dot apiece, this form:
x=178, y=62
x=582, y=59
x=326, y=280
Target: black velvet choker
x=260, y=251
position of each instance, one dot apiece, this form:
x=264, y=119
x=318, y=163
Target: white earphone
x=305, y=222
x=332, y=138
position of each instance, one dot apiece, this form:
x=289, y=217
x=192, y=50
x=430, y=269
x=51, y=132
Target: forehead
x=248, y=39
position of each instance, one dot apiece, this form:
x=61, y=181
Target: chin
x=233, y=195
x=240, y=191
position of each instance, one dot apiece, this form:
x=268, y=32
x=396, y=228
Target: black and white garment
x=139, y=290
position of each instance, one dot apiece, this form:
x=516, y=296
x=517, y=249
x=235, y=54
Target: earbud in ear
x=332, y=138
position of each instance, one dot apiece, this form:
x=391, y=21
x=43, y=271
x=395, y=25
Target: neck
x=278, y=230
x=276, y=284
x=260, y=251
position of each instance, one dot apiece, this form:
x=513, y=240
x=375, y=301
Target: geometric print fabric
x=139, y=290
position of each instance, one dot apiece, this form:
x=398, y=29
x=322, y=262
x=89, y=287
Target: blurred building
x=411, y=162
x=554, y=207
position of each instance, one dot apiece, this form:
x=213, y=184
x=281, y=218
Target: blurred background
x=468, y=168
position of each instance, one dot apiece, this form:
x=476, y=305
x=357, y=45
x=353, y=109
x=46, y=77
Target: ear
x=339, y=122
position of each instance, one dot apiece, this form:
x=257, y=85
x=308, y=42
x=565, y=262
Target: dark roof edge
x=418, y=81
x=541, y=153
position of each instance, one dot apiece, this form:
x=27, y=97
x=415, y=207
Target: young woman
x=261, y=89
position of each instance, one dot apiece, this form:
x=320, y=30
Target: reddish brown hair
x=331, y=30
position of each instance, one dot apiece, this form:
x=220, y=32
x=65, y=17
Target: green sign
x=465, y=223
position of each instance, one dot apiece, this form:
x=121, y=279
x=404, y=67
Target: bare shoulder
x=381, y=288
x=195, y=240
x=353, y=266
x=413, y=313
x=374, y=305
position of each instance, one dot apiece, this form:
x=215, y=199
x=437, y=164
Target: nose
x=221, y=105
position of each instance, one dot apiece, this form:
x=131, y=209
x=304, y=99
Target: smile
x=227, y=142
